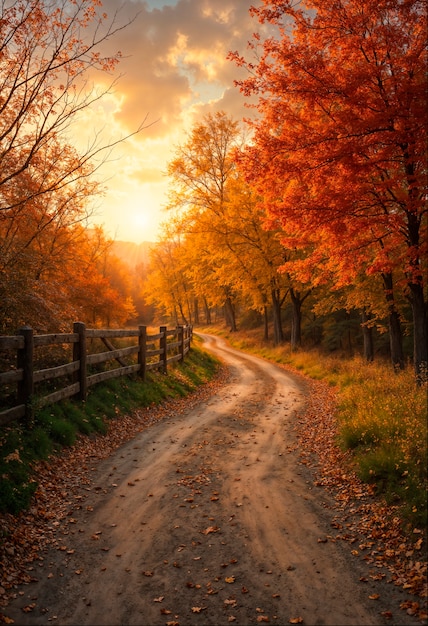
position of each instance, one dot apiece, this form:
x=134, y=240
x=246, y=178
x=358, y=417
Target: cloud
x=175, y=56
x=173, y=71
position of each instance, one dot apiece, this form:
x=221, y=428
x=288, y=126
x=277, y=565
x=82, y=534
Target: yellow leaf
x=230, y=579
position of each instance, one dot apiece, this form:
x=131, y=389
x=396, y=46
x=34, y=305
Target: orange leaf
x=210, y=529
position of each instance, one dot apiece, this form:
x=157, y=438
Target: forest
x=307, y=219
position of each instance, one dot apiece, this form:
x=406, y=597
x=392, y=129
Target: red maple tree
x=339, y=149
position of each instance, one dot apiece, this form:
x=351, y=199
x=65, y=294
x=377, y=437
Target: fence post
x=162, y=346
x=181, y=340
x=142, y=347
x=25, y=358
x=79, y=354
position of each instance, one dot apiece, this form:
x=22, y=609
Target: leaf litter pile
x=372, y=528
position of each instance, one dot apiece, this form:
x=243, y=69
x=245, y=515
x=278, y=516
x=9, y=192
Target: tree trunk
x=207, y=312
x=183, y=316
x=420, y=348
x=196, y=310
x=266, y=323
x=278, y=333
x=367, y=337
x=296, y=320
x=395, y=332
x=416, y=280
x=230, y=314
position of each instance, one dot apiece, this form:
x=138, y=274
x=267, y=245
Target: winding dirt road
x=205, y=518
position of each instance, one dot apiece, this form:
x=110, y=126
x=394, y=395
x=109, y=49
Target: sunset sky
x=173, y=72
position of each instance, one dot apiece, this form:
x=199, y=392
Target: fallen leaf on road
x=230, y=579
x=160, y=599
x=210, y=529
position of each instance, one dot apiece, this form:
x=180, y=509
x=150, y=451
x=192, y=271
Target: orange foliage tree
x=339, y=148
x=220, y=246
x=47, y=50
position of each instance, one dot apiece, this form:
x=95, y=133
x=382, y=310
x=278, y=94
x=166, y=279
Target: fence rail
x=19, y=386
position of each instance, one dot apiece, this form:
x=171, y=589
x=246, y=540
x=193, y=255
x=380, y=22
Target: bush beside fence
x=18, y=385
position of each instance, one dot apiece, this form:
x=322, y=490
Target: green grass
x=381, y=418
x=57, y=426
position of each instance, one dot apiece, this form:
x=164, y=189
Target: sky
x=173, y=72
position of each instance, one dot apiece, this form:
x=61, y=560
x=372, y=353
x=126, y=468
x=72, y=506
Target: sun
x=140, y=219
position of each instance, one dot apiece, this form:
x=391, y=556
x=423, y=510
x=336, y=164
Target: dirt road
x=205, y=518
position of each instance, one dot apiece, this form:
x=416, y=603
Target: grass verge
x=58, y=425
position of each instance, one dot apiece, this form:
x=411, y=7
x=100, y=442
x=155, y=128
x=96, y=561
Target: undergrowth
x=381, y=418
x=58, y=425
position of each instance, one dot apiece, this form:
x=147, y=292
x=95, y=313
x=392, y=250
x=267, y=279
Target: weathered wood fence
x=148, y=352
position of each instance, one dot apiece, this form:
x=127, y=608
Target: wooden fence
x=18, y=385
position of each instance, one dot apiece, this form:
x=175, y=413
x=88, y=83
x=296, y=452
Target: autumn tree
x=230, y=255
x=339, y=147
x=166, y=285
x=67, y=274
x=199, y=174
x=49, y=50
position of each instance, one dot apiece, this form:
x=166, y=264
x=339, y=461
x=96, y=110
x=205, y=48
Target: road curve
x=206, y=517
